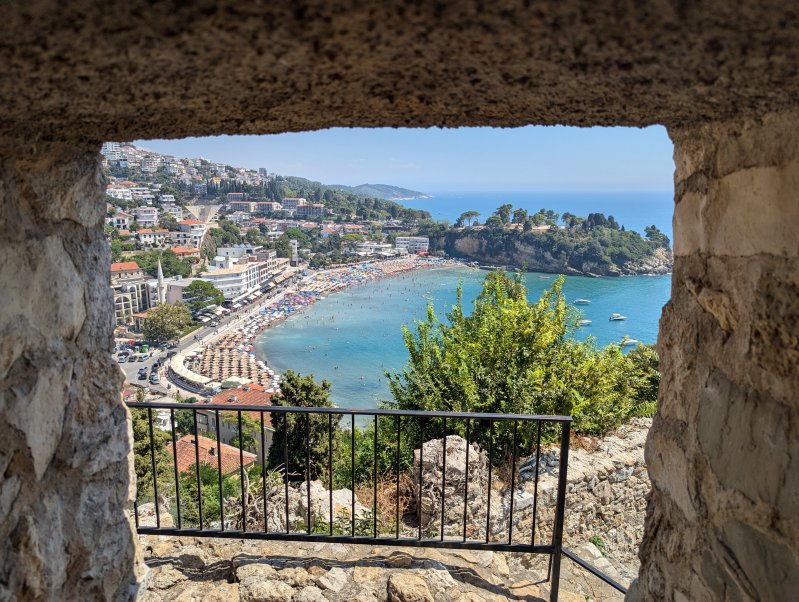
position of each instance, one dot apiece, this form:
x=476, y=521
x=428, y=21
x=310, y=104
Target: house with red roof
x=244, y=395
x=125, y=270
x=210, y=452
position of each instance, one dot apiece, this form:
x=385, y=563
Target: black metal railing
x=395, y=439
x=594, y=571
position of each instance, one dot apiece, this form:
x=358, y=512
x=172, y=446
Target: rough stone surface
x=64, y=440
x=452, y=496
x=723, y=453
x=270, y=570
x=313, y=64
x=722, y=518
x=408, y=588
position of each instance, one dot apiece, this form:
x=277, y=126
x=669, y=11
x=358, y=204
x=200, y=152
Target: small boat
x=584, y=323
x=625, y=342
x=617, y=317
x=581, y=302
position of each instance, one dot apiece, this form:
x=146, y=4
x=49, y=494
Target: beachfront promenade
x=229, y=354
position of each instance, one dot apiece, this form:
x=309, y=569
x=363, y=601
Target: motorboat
x=625, y=342
x=617, y=317
x=584, y=323
x=581, y=301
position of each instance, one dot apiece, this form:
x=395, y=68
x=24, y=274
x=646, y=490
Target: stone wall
x=63, y=460
x=607, y=485
x=723, y=456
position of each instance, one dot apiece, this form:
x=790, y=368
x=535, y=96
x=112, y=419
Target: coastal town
x=251, y=259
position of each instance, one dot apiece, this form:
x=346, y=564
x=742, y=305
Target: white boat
x=627, y=342
x=584, y=323
x=617, y=317
x=581, y=302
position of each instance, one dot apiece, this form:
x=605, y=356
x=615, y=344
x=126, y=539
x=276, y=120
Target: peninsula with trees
x=594, y=245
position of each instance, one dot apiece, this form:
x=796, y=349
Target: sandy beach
x=232, y=356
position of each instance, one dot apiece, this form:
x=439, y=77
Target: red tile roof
x=190, y=222
x=246, y=395
x=185, y=250
x=124, y=266
x=210, y=452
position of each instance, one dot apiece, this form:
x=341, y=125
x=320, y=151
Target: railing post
x=557, y=535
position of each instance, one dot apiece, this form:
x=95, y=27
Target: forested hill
x=568, y=244
x=383, y=191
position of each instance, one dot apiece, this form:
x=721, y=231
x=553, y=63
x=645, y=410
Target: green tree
x=166, y=322
x=143, y=448
x=201, y=293
x=494, y=221
x=519, y=216
x=513, y=356
x=503, y=212
x=297, y=431
x=250, y=430
x=469, y=216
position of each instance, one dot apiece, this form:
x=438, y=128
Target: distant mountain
x=382, y=191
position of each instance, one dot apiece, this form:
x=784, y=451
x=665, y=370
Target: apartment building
x=413, y=244
x=238, y=280
x=146, y=216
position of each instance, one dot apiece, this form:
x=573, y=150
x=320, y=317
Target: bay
x=353, y=336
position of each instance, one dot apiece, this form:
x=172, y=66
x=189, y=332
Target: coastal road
x=190, y=342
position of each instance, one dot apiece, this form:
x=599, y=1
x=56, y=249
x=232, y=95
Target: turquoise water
x=634, y=210
x=351, y=337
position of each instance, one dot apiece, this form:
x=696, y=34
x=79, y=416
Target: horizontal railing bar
x=594, y=571
x=349, y=539
x=345, y=411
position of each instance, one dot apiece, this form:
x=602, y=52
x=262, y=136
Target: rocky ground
x=606, y=498
x=190, y=570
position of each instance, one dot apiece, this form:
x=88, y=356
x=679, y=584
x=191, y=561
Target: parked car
x=122, y=358
x=154, y=379
x=132, y=357
x=142, y=376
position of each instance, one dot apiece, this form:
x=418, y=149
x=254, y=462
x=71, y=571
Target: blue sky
x=532, y=158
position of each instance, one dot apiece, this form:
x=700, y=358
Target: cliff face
x=536, y=259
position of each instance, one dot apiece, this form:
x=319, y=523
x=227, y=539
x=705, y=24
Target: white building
x=120, y=220
x=175, y=211
x=173, y=289
x=111, y=150
x=374, y=248
x=291, y=203
x=191, y=232
x=152, y=237
x=167, y=198
x=238, y=280
x=310, y=210
x=119, y=192
x=413, y=244
x=146, y=216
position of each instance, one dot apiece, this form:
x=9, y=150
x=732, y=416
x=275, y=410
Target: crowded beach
x=232, y=357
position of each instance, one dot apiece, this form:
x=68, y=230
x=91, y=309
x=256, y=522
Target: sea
x=352, y=337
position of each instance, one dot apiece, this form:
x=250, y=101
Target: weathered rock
x=320, y=505
x=454, y=486
x=147, y=516
x=333, y=580
x=265, y=591
x=309, y=594
x=407, y=588
x=295, y=577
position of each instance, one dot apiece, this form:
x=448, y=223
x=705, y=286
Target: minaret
x=161, y=286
